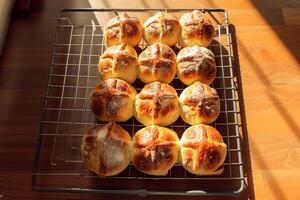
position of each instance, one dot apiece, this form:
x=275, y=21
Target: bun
x=155, y=150
x=119, y=61
x=124, y=28
x=162, y=27
x=196, y=64
x=113, y=99
x=202, y=150
x=106, y=149
x=199, y=104
x=196, y=29
x=157, y=103
x=157, y=63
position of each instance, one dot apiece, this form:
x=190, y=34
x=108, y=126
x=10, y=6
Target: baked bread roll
x=196, y=29
x=106, y=149
x=157, y=103
x=196, y=64
x=202, y=150
x=119, y=61
x=157, y=63
x=112, y=99
x=199, y=104
x=162, y=27
x=123, y=28
x=155, y=150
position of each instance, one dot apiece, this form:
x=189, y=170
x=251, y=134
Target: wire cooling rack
x=58, y=164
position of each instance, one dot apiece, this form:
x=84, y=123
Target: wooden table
x=268, y=44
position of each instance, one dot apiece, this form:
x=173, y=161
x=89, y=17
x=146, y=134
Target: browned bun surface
x=196, y=29
x=162, y=27
x=106, y=149
x=124, y=28
x=112, y=99
x=157, y=104
x=119, y=61
x=155, y=150
x=199, y=104
x=203, y=151
x=196, y=64
x=157, y=63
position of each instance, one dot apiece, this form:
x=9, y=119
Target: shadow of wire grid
x=73, y=74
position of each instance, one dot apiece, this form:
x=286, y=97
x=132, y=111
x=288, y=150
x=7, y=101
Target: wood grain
x=268, y=45
x=291, y=16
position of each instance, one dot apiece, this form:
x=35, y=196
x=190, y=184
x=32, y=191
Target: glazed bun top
x=162, y=27
x=124, y=28
x=157, y=63
x=196, y=29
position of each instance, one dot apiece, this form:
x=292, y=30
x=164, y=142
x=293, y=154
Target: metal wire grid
x=66, y=114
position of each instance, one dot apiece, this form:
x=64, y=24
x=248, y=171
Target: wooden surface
x=268, y=45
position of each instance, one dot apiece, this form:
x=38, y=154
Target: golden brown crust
x=199, y=103
x=155, y=150
x=196, y=64
x=123, y=28
x=157, y=103
x=196, y=29
x=119, y=61
x=112, y=99
x=203, y=151
x=162, y=27
x=157, y=63
x=106, y=149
